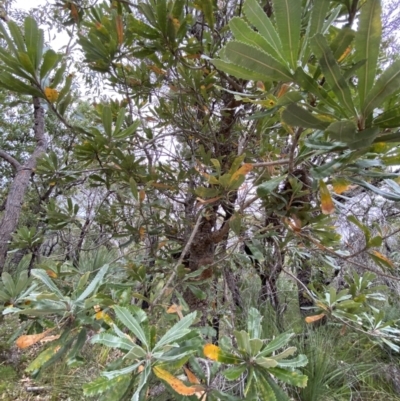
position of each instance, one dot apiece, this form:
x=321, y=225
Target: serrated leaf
x=34, y=45
x=257, y=17
x=267, y=187
x=107, y=120
x=93, y=284
x=177, y=331
x=277, y=343
x=8, y=283
x=256, y=60
x=367, y=44
x=288, y=21
x=292, y=378
x=215, y=353
x=266, y=362
x=387, y=84
x=297, y=116
x=45, y=279
x=332, y=73
x=300, y=361
x=131, y=323
x=102, y=385
x=238, y=71
x=234, y=372
x=112, y=341
x=50, y=61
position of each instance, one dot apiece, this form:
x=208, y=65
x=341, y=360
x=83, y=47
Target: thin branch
x=180, y=260
x=8, y=158
x=293, y=149
x=274, y=163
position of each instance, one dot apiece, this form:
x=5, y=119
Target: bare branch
x=8, y=158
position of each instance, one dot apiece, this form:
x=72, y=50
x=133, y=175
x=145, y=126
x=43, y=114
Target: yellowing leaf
x=51, y=94
x=327, y=206
x=142, y=195
x=242, y=171
x=315, y=318
x=176, y=309
x=28, y=340
x=175, y=383
x=191, y=376
x=340, y=185
x=284, y=88
x=120, y=29
x=142, y=232
x=345, y=54
x=383, y=258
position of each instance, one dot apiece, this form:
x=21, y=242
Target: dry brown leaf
x=26, y=341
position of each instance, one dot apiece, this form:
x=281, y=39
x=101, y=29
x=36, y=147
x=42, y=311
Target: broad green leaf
x=120, y=120
x=316, y=22
x=276, y=343
x=266, y=362
x=207, y=7
x=43, y=357
x=17, y=36
x=258, y=61
x=267, y=187
x=26, y=62
x=45, y=279
x=264, y=390
x=342, y=42
x=8, y=283
x=342, y=131
x=94, y=284
x=177, y=331
x=131, y=323
x=144, y=375
x=285, y=354
x=387, y=84
x=388, y=119
x=292, y=378
x=243, y=33
x=161, y=10
x=120, y=372
x=112, y=341
x=238, y=71
x=279, y=393
x=234, y=372
x=257, y=17
x=50, y=61
x=387, y=195
x=288, y=21
x=34, y=44
x=243, y=341
x=22, y=282
x=368, y=39
x=300, y=361
x=332, y=73
x=9, y=82
x=101, y=385
x=10, y=43
x=299, y=117
x=254, y=323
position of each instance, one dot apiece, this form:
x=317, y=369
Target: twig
x=180, y=260
x=8, y=158
x=274, y=163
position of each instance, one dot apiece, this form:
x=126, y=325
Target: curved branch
x=8, y=158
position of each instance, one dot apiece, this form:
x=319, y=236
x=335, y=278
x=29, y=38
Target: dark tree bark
x=19, y=186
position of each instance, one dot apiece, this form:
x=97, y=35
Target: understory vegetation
x=199, y=200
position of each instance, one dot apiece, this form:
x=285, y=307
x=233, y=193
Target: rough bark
x=19, y=186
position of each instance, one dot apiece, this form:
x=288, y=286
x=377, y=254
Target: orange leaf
x=284, y=88
x=120, y=29
x=175, y=383
x=74, y=12
x=142, y=195
x=28, y=340
x=327, y=206
x=260, y=85
x=315, y=318
x=176, y=309
x=51, y=94
x=242, y=171
x=191, y=376
x=51, y=274
x=142, y=232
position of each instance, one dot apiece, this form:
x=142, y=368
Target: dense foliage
x=199, y=187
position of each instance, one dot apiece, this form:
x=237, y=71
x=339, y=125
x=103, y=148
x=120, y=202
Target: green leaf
x=316, y=22
x=89, y=290
x=208, y=11
x=144, y=375
x=258, y=61
x=387, y=195
x=368, y=40
x=257, y=17
x=34, y=45
x=101, y=385
x=276, y=343
x=46, y=280
x=120, y=372
x=243, y=33
x=131, y=323
x=107, y=120
x=267, y=187
x=387, y=84
x=299, y=117
x=388, y=119
x=8, y=283
x=254, y=323
x=332, y=73
x=292, y=378
x=112, y=341
x=26, y=62
x=239, y=71
x=266, y=363
x=264, y=390
x=120, y=120
x=279, y=393
x=9, y=82
x=17, y=36
x=300, y=361
x=177, y=331
x=234, y=372
x=342, y=41
x=50, y=61
x=288, y=21
x=161, y=10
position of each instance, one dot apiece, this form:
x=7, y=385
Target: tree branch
x=8, y=158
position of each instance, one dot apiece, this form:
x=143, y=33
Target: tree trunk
x=16, y=194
